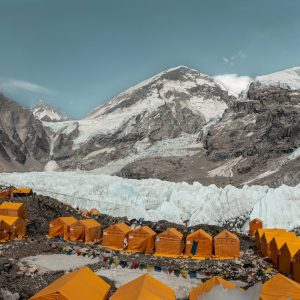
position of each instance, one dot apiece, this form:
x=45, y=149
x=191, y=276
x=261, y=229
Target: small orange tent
x=296, y=267
x=60, y=227
x=77, y=285
x=115, y=236
x=276, y=243
x=286, y=256
x=142, y=240
x=13, y=209
x=254, y=225
x=23, y=191
x=226, y=245
x=169, y=243
x=12, y=228
x=6, y=193
x=94, y=212
x=259, y=233
x=88, y=231
x=267, y=237
x=144, y=287
x=280, y=288
x=199, y=244
x=208, y=285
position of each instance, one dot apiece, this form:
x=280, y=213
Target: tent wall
x=254, y=225
x=296, y=267
x=113, y=237
x=226, y=245
x=77, y=232
x=286, y=260
x=204, y=244
x=168, y=244
x=141, y=241
x=13, y=210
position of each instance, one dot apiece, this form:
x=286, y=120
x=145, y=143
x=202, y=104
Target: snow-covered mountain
x=44, y=111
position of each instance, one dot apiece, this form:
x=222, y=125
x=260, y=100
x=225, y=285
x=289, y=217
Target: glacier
x=155, y=200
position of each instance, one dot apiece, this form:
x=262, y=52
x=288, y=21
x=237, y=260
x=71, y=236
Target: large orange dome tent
x=87, y=231
x=226, y=245
x=142, y=240
x=115, y=235
x=199, y=244
x=60, y=227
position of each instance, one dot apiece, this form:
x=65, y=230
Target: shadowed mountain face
x=24, y=144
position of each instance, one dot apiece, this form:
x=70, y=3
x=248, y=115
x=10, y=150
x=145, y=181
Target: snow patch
x=295, y=154
x=51, y=166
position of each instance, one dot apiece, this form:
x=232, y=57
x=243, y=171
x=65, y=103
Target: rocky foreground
x=24, y=279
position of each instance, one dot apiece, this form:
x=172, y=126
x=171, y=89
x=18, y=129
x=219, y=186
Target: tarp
x=280, y=288
x=144, y=287
x=276, y=243
x=267, y=238
x=286, y=256
x=296, y=267
x=201, y=241
x=254, y=225
x=88, y=231
x=142, y=240
x=60, y=227
x=12, y=228
x=259, y=233
x=196, y=292
x=77, y=285
x=13, y=209
x=169, y=243
x=226, y=245
x=115, y=236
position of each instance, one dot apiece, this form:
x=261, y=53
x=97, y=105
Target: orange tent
x=276, y=243
x=259, y=233
x=286, y=257
x=94, y=212
x=24, y=191
x=87, y=231
x=77, y=285
x=60, y=227
x=267, y=238
x=13, y=209
x=196, y=292
x=199, y=242
x=115, y=235
x=144, y=287
x=142, y=240
x=254, y=225
x=280, y=288
x=6, y=193
x=12, y=228
x=226, y=245
x=169, y=243
x=296, y=267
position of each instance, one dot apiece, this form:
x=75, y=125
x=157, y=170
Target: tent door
x=194, y=247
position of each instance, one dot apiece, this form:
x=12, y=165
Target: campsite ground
x=28, y=266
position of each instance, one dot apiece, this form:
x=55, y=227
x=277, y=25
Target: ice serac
x=176, y=102
x=44, y=111
x=24, y=144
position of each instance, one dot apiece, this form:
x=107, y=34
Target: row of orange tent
x=85, y=284
x=199, y=244
x=12, y=221
x=9, y=192
x=282, y=247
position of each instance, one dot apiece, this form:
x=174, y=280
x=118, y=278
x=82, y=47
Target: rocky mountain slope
x=47, y=112
x=24, y=143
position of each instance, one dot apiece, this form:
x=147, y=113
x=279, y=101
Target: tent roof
x=94, y=211
x=11, y=205
x=281, y=240
x=79, y=284
x=226, y=234
x=123, y=227
x=9, y=220
x=67, y=220
x=89, y=223
x=174, y=231
x=256, y=220
x=146, y=229
x=280, y=286
x=208, y=285
x=270, y=235
x=144, y=287
x=261, y=231
x=199, y=232
x=292, y=246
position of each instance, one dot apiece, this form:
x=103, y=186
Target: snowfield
x=155, y=200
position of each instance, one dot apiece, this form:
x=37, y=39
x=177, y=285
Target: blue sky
x=78, y=54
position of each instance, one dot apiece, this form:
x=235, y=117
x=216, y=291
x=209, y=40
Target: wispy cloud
x=12, y=85
x=232, y=60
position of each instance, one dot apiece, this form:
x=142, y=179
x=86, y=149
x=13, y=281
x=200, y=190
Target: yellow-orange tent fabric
x=23, y=191
x=259, y=233
x=296, y=267
x=280, y=288
x=77, y=285
x=286, y=256
x=12, y=228
x=169, y=243
x=144, y=287
x=94, y=212
x=13, y=209
x=226, y=245
x=114, y=236
x=60, y=227
x=267, y=237
x=254, y=225
x=276, y=243
x=196, y=292
x=204, y=244
x=142, y=240
x=87, y=231
x=6, y=193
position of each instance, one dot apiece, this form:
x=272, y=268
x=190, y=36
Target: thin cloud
x=11, y=85
x=240, y=55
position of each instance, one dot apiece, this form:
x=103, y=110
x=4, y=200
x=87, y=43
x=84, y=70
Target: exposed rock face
x=24, y=144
